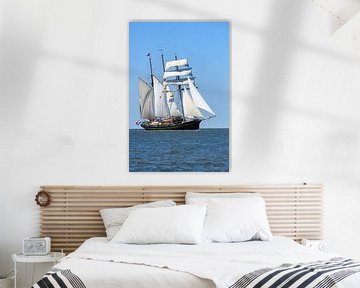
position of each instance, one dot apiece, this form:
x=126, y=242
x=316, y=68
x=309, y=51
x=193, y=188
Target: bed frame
x=73, y=215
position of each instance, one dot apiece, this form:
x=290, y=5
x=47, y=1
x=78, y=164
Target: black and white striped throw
x=320, y=274
x=59, y=278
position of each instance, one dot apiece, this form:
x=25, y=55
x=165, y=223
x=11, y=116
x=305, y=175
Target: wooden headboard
x=73, y=215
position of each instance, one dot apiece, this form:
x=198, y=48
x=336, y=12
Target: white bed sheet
x=100, y=263
x=122, y=275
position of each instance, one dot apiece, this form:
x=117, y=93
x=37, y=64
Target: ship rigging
x=174, y=103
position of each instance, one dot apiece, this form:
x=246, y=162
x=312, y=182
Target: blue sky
x=205, y=44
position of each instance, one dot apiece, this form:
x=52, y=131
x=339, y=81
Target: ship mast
x=162, y=59
x=151, y=71
x=179, y=90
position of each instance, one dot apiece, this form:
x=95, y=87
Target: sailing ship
x=173, y=103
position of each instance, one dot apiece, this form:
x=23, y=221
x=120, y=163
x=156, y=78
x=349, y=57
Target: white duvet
x=100, y=263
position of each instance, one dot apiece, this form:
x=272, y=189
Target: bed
x=294, y=212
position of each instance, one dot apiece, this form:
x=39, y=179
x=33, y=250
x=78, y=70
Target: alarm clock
x=320, y=245
x=36, y=246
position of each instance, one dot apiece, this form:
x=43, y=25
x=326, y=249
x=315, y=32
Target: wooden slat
x=73, y=216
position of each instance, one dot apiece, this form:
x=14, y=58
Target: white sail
x=173, y=103
x=146, y=99
x=175, y=63
x=179, y=81
x=160, y=101
x=199, y=101
x=177, y=73
x=190, y=110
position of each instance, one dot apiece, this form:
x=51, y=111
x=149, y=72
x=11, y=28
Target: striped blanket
x=59, y=278
x=320, y=274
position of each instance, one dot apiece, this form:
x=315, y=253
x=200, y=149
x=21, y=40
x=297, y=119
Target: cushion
x=203, y=198
x=113, y=218
x=236, y=220
x=172, y=225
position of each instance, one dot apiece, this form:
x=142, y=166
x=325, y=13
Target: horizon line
x=185, y=129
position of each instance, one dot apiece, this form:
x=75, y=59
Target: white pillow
x=204, y=198
x=180, y=224
x=236, y=220
x=113, y=218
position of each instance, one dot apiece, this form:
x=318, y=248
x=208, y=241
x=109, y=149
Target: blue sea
x=203, y=150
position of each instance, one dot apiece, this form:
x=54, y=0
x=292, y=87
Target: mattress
x=99, y=263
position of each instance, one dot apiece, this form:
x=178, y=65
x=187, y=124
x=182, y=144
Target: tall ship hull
x=189, y=125
x=173, y=103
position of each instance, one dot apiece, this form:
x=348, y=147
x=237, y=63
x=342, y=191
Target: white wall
x=64, y=108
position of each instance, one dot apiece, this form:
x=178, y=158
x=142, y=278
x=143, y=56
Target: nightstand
x=320, y=245
x=53, y=257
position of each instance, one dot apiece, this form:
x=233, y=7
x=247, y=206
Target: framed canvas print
x=179, y=96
